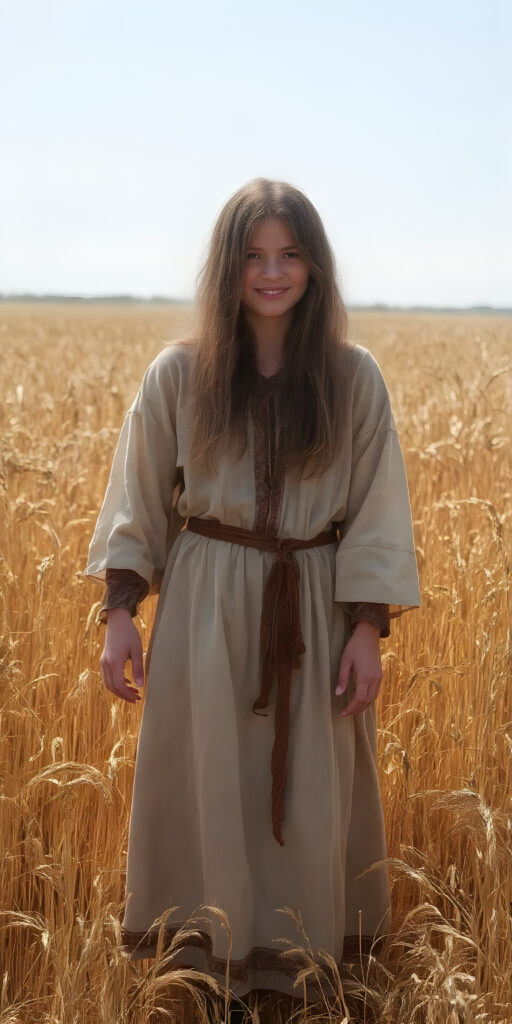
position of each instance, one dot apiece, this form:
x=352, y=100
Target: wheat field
x=444, y=712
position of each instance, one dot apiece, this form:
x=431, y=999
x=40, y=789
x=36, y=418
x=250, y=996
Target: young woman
x=258, y=484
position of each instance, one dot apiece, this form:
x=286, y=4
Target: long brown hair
x=316, y=371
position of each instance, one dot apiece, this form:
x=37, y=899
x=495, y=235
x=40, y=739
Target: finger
x=127, y=692
x=362, y=701
x=375, y=689
x=359, y=701
x=112, y=682
x=120, y=684
x=344, y=674
x=106, y=675
x=137, y=663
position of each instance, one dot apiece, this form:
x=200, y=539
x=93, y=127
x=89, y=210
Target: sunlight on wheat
x=444, y=713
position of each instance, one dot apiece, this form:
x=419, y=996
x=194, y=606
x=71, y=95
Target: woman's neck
x=270, y=335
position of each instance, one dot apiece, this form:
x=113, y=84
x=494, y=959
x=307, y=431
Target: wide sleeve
x=376, y=560
x=138, y=521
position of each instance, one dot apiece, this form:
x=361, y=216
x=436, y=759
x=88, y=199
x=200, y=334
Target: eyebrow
x=284, y=248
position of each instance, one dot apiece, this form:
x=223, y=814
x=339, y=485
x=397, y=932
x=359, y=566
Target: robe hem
x=143, y=945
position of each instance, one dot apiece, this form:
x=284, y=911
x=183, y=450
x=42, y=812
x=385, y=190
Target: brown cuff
x=125, y=589
x=376, y=614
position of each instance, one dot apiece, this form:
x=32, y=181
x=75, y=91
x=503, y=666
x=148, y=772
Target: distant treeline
x=159, y=300
x=114, y=299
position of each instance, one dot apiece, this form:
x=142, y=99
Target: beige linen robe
x=200, y=827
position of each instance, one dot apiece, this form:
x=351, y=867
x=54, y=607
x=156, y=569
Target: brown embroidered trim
x=269, y=471
x=377, y=614
x=124, y=589
x=260, y=958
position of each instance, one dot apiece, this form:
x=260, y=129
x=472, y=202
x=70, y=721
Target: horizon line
x=128, y=298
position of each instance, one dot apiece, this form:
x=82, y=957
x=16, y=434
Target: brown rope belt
x=281, y=642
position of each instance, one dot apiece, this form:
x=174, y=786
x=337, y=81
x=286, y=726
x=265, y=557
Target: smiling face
x=276, y=275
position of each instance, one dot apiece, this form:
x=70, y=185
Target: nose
x=271, y=267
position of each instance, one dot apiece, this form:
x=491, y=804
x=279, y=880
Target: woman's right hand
x=122, y=644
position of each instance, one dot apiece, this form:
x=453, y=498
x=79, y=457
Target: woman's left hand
x=362, y=655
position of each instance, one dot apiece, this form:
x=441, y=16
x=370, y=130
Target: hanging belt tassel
x=281, y=641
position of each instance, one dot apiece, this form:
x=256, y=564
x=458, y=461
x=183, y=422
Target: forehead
x=273, y=233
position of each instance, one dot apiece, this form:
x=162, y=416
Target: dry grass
x=445, y=716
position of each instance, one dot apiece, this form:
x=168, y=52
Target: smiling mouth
x=271, y=292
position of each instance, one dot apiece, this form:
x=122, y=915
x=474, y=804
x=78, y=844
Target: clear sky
x=126, y=124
